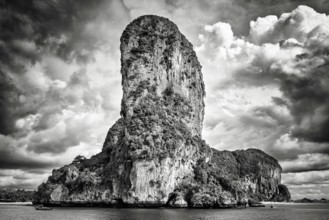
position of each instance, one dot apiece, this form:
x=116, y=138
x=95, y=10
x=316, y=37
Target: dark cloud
x=8, y=99
x=287, y=148
x=56, y=25
x=279, y=101
x=265, y=117
x=309, y=162
x=309, y=104
x=39, y=144
x=319, y=166
x=30, y=29
x=12, y=160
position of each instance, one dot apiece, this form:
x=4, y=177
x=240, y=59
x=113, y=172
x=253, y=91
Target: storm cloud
x=40, y=43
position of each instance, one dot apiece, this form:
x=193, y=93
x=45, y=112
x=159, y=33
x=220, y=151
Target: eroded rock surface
x=283, y=196
x=154, y=154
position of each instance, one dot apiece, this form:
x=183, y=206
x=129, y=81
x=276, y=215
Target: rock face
x=158, y=60
x=283, y=196
x=235, y=178
x=154, y=154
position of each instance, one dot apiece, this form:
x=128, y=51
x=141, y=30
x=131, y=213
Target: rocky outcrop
x=233, y=178
x=283, y=196
x=158, y=60
x=154, y=154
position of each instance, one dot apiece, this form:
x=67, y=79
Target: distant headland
x=307, y=200
x=17, y=195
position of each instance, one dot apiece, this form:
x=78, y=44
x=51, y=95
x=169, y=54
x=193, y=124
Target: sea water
x=292, y=211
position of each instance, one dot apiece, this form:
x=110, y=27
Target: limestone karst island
x=154, y=155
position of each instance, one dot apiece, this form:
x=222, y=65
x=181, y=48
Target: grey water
x=311, y=211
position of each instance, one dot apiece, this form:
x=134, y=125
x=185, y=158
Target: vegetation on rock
x=18, y=195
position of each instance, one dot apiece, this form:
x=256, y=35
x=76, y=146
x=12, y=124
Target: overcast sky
x=265, y=66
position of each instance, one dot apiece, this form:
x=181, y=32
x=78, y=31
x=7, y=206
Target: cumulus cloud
x=311, y=184
x=14, y=179
x=302, y=76
x=262, y=28
x=270, y=91
x=303, y=178
x=271, y=56
x=297, y=25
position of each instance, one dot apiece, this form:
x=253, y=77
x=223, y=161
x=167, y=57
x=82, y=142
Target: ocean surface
x=281, y=211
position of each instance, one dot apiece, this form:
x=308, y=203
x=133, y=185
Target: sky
x=265, y=67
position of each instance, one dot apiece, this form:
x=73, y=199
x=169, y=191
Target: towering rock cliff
x=158, y=60
x=154, y=154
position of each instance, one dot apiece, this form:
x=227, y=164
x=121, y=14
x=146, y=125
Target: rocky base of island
x=120, y=204
x=229, y=180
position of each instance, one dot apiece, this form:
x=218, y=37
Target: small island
x=307, y=200
x=154, y=155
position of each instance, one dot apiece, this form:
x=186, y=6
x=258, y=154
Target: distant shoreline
x=270, y=203
x=16, y=203
x=291, y=203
